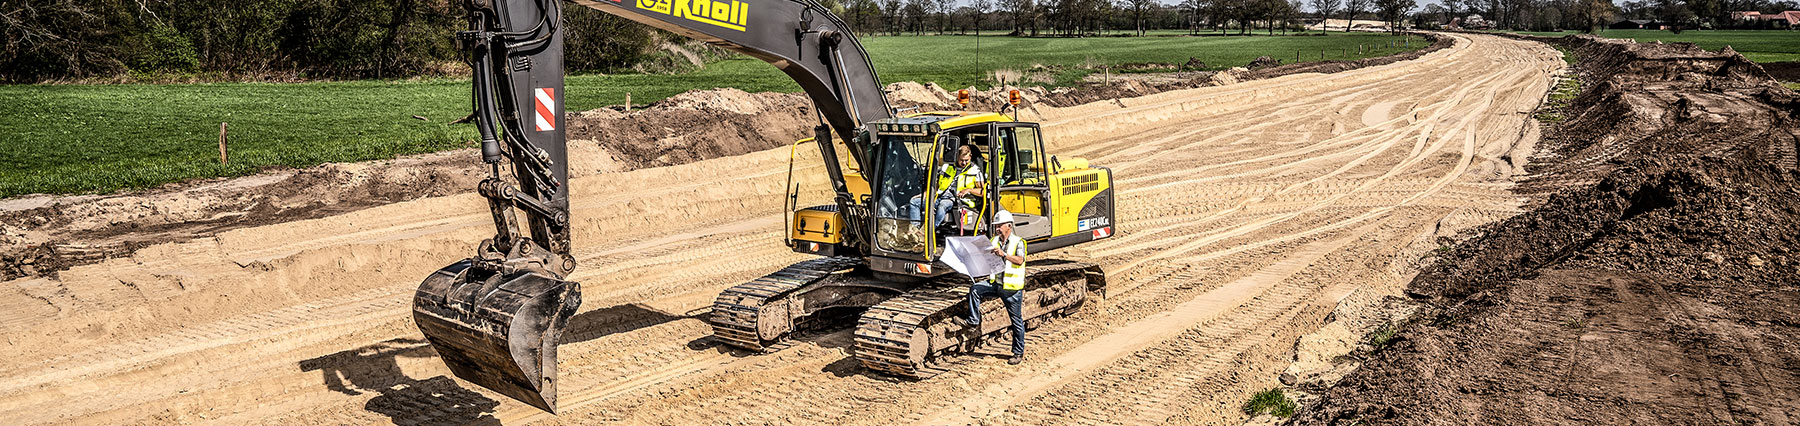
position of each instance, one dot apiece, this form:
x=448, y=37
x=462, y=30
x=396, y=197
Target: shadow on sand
x=440, y=399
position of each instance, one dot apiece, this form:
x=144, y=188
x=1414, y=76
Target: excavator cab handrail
x=791, y=203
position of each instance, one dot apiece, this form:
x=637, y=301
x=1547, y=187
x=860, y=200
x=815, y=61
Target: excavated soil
x=1655, y=285
x=1246, y=213
x=44, y=234
x=1784, y=71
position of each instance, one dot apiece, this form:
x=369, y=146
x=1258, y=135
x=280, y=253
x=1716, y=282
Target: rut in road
x=1246, y=211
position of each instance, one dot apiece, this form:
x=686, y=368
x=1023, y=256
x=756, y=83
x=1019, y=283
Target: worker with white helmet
x=1009, y=284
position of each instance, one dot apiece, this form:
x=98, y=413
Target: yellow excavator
x=495, y=318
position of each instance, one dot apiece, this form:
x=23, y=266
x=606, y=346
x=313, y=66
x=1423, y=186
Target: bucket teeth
x=498, y=331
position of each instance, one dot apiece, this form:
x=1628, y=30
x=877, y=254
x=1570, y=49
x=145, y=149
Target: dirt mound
x=695, y=126
x=1264, y=62
x=42, y=235
x=1656, y=288
x=908, y=94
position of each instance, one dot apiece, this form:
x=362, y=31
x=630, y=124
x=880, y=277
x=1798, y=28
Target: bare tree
x=1194, y=9
x=1591, y=14
x=914, y=16
x=941, y=8
x=863, y=15
x=1325, y=8
x=1139, y=10
x=1351, y=8
x=1025, y=14
x=978, y=10
x=1393, y=11
x=891, y=12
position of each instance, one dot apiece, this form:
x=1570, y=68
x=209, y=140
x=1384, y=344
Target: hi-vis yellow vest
x=948, y=178
x=1013, y=277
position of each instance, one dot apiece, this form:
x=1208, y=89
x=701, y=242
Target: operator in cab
x=958, y=185
x=1008, y=285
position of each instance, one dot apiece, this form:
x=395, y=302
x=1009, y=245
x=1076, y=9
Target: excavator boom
x=496, y=317
x=800, y=37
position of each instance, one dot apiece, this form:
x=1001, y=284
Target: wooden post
x=222, y=156
x=627, y=101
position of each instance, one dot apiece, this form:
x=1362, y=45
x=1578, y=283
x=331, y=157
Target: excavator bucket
x=498, y=331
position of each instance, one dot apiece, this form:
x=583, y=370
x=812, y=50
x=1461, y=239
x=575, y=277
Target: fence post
x=222, y=158
x=627, y=101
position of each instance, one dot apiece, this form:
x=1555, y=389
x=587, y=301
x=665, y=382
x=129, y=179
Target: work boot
x=1015, y=360
x=960, y=322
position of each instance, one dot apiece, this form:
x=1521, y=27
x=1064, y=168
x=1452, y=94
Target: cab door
x=1021, y=178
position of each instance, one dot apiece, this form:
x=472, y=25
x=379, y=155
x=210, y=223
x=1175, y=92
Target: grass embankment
x=98, y=138
x=1756, y=45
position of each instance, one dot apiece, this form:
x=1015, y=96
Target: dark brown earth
x=1784, y=71
x=1656, y=285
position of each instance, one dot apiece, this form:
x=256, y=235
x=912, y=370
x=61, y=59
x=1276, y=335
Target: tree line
x=46, y=40
x=1589, y=15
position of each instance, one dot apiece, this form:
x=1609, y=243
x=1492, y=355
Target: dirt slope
x=1659, y=285
x=1247, y=211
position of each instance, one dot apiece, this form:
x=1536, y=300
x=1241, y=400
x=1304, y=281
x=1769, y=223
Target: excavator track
x=910, y=335
x=758, y=314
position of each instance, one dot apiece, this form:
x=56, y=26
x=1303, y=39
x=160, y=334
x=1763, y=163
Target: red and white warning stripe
x=546, y=102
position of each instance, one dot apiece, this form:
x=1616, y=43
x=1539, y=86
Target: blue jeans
x=1014, y=300
x=941, y=206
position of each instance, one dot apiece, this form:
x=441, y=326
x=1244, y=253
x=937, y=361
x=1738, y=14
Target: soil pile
x=696, y=125
x=42, y=235
x=1657, y=287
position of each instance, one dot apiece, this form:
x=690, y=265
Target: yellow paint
x=1027, y=202
x=730, y=14
x=818, y=226
x=962, y=119
x=1072, y=189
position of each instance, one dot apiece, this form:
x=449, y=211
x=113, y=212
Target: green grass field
x=1756, y=45
x=99, y=138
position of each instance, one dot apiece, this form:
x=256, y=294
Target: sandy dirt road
x=1247, y=211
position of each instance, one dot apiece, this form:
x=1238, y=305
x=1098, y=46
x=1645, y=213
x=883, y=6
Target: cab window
x=905, y=161
x=1020, y=160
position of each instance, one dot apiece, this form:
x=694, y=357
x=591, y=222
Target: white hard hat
x=1003, y=217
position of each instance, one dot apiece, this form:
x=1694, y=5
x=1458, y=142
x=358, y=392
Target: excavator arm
x=800, y=37
x=496, y=317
